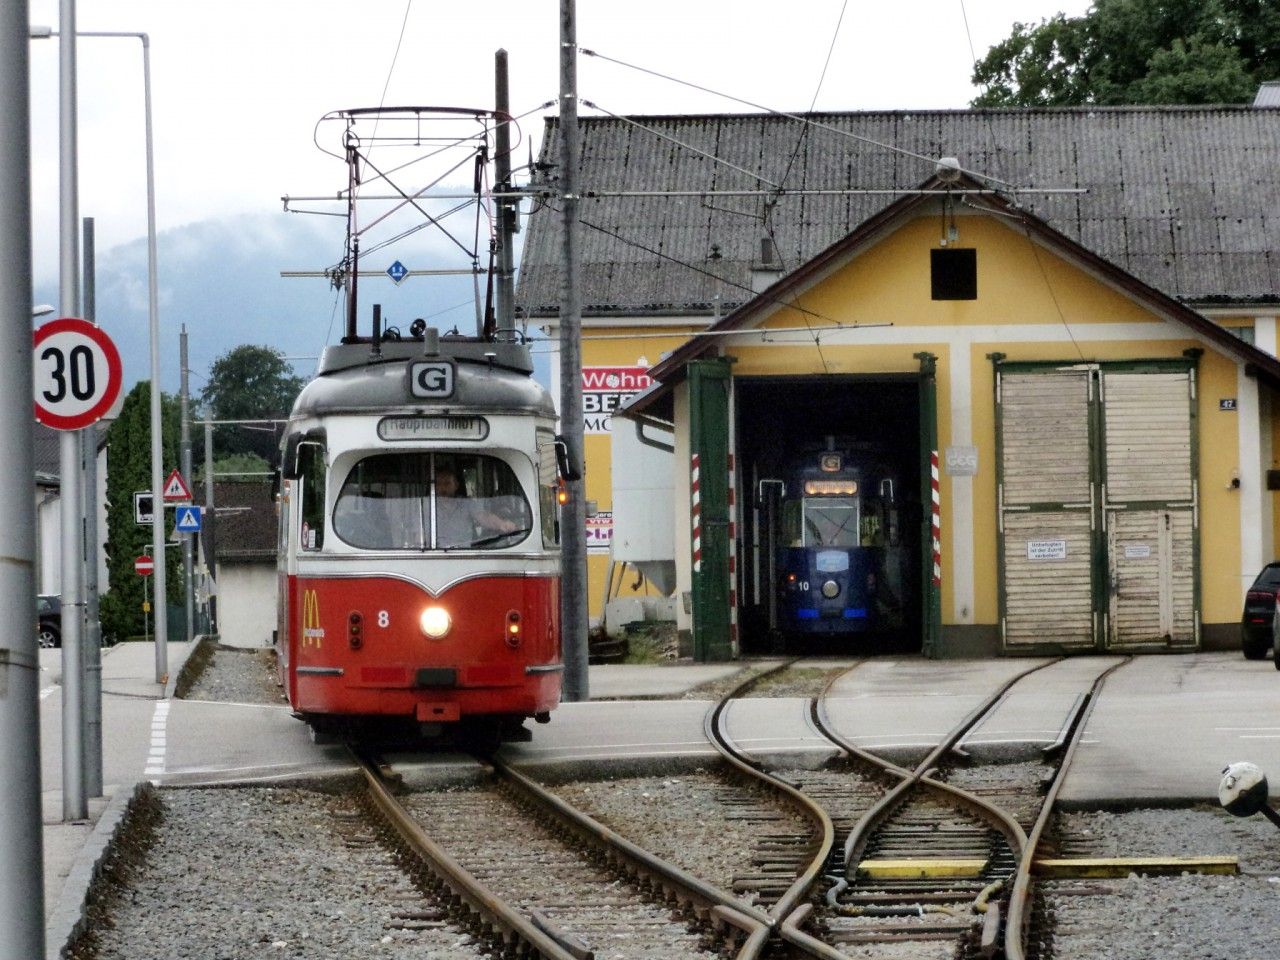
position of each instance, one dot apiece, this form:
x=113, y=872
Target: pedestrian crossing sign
x=187, y=520
x=175, y=488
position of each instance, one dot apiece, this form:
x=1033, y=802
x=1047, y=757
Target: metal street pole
x=157, y=445
x=210, y=523
x=573, y=525
x=153, y=310
x=75, y=804
x=92, y=646
x=21, y=833
x=188, y=539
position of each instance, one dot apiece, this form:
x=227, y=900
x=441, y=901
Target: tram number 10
x=72, y=371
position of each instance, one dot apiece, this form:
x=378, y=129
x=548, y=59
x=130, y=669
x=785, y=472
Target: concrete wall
x=246, y=603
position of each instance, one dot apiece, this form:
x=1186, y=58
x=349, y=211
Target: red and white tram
x=419, y=554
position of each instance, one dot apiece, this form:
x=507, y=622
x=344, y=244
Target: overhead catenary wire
x=707, y=273
x=835, y=35
x=404, y=22
x=826, y=127
x=681, y=144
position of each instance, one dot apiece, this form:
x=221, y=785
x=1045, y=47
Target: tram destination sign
x=433, y=428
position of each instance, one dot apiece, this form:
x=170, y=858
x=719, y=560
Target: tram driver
x=458, y=516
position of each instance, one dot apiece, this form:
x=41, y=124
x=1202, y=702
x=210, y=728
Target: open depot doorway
x=864, y=548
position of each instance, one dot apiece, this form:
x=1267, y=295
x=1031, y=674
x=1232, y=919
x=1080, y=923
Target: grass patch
x=651, y=643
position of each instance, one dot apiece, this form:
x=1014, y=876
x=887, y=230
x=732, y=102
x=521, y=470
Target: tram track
x=548, y=881
x=922, y=859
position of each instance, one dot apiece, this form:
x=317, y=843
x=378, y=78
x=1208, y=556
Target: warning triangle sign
x=175, y=488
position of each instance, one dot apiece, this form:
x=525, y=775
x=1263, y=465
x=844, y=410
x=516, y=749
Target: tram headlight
x=435, y=622
x=830, y=589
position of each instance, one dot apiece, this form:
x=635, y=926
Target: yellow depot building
x=966, y=382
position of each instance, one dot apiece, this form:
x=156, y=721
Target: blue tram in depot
x=835, y=551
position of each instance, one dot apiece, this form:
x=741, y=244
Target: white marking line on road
x=159, y=722
x=1232, y=729
x=1259, y=736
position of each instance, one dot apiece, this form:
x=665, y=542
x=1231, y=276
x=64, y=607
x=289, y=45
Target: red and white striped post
x=695, y=509
x=937, y=519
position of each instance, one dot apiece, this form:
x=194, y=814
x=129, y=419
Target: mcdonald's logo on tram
x=312, y=632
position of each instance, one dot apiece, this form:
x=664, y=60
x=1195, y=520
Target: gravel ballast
x=1188, y=917
x=230, y=874
x=237, y=675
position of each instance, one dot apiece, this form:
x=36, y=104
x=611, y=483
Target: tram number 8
x=384, y=618
x=79, y=365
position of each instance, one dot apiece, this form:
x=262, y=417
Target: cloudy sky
x=238, y=86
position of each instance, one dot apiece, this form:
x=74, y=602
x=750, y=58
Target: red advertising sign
x=605, y=389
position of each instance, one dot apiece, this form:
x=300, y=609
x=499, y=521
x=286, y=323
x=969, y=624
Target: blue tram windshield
x=425, y=501
x=831, y=522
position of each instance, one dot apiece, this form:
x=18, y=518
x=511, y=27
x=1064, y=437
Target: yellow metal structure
x=1093, y=868
x=957, y=868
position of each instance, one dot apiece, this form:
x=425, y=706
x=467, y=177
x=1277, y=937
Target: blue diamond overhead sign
x=397, y=272
x=187, y=520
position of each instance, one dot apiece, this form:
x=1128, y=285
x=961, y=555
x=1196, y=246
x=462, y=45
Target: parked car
x=49, y=620
x=1257, y=622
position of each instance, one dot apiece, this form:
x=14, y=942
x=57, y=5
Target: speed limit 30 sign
x=78, y=375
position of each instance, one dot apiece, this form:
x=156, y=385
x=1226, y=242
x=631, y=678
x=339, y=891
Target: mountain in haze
x=222, y=279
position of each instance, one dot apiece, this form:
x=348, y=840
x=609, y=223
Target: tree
x=250, y=383
x=1136, y=51
x=128, y=471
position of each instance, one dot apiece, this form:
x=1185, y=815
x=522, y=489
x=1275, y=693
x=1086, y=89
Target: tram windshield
x=431, y=501
x=822, y=522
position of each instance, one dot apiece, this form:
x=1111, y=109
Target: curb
x=67, y=922
x=178, y=673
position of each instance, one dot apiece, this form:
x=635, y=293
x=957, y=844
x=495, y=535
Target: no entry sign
x=78, y=375
x=144, y=566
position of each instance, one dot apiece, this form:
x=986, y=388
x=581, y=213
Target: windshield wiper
x=488, y=540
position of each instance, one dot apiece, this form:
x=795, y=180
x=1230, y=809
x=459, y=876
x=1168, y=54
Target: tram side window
x=548, y=477
x=311, y=477
x=791, y=534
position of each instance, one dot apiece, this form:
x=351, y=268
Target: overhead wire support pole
x=188, y=539
x=75, y=805
x=21, y=835
x=573, y=524
x=210, y=530
x=92, y=645
x=505, y=279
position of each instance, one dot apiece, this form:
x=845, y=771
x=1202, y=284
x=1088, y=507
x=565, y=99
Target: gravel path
x=281, y=873
x=236, y=675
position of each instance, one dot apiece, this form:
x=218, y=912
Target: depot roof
x=1182, y=198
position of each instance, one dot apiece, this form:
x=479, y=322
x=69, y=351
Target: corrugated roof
x=1187, y=199
x=47, y=448
x=1268, y=94
x=246, y=520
